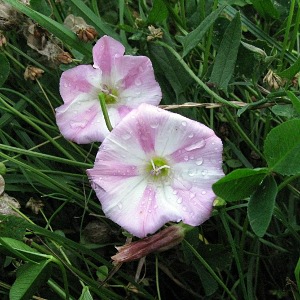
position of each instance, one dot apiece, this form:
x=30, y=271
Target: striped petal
x=144, y=180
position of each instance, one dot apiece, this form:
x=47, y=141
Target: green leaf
x=191, y=40
x=21, y=250
x=86, y=295
x=166, y=64
x=5, y=69
x=12, y=227
x=239, y=184
x=102, y=273
x=295, y=101
x=29, y=278
x=226, y=57
x=266, y=9
x=158, y=13
x=290, y=72
x=261, y=206
x=282, y=148
x=41, y=6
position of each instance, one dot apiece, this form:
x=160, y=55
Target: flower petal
x=82, y=79
x=135, y=77
x=105, y=51
x=130, y=195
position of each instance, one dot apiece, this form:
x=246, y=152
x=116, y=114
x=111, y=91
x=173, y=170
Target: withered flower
x=33, y=73
x=9, y=17
x=64, y=57
x=273, y=80
x=78, y=25
x=35, y=205
x=155, y=33
x=2, y=40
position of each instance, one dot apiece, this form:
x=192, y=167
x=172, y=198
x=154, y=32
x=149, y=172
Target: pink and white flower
x=126, y=81
x=155, y=167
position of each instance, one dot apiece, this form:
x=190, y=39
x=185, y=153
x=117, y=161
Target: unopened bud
x=161, y=241
x=33, y=73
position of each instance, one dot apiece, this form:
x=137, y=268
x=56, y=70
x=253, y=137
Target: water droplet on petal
x=138, y=82
x=179, y=200
x=192, y=172
x=120, y=205
x=80, y=124
x=126, y=136
x=191, y=135
x=195, y=146
x=186, y=158
x=175, y=192
x=192, y=195
x=203, y=192
x=149, y=211
x=183, y=123
x=199, y=161
x=204, y=172
x=154, y=125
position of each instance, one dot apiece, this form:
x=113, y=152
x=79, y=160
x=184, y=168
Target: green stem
x=208, y=43
x=287, y=30
x=196, y=78
x=234, y=252
x=104, y=111
x=209, y=269
x=157, y=278
x=240, y=131
x=37, y=128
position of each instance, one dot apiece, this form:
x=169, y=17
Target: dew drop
x=199, y=161
x=179, y=200
x=192, y=195
x=120, y=205
x=183, y=123
x=203, y=192
x=204, y=172
x=192, y=172
x=175, y=192
x=126, y=136
x=80, y=124
x=191, y=135
x=149, y=211
x=138, y=82
x=186, y=158
x=195, y=146
x=154, y=125
x=184, y=208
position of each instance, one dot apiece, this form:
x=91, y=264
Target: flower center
x=110, y=94
x=158, y=167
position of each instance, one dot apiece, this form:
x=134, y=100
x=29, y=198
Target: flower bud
x=33, y=73
x=161, y=241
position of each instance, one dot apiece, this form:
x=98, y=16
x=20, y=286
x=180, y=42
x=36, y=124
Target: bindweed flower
x=125, y=81
x=155, y=167
x=161, y=241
